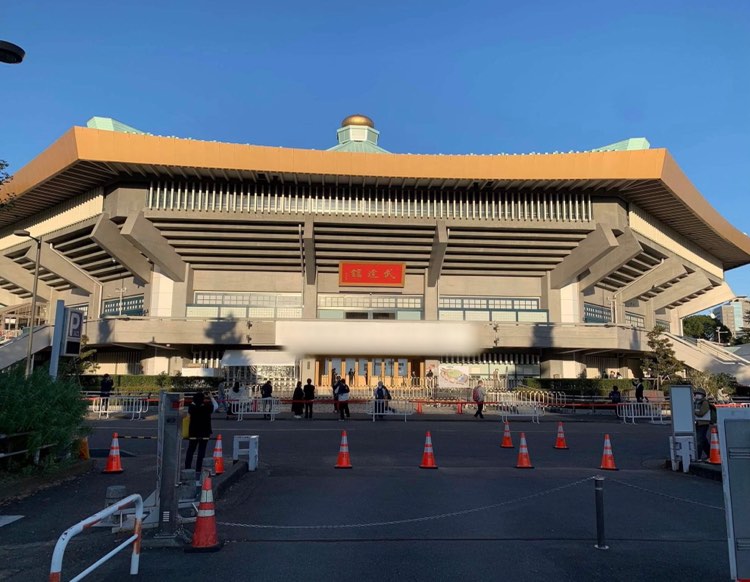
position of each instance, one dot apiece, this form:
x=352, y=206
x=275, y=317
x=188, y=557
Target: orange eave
x=91, y=148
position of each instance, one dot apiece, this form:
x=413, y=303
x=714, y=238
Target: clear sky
x=437, y=77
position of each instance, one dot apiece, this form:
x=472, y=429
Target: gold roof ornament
x=358, y=119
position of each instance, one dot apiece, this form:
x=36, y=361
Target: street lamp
x=32, y=319
x=11, y=53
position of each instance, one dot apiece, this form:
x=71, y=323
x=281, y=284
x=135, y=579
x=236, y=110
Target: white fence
x=632, y=411
x=266, y=407
x=382, y=408
x=55, y=571
x=135, y=406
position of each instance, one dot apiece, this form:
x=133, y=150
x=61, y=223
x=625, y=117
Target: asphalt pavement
x=476, y=517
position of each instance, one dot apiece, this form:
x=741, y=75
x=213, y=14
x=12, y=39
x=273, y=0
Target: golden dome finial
x=358, y=119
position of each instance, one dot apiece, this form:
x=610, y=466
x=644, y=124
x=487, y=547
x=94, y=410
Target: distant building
x=733, y=314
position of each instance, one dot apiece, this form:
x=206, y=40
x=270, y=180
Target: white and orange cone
x=524, y=461
x=205, y=538
x=114, y=464
x=218, y=457
x=715, y=455
x=343, y=461
x=560, y=442
x=608, y=459
x=507, y=440
x=428, y=456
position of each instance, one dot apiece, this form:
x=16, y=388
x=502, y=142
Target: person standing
x=199, y=429
x=351, y=376
x=335, y=389
x=309, y=393
x=638, y=389
x=614, y=396
x=342, y=391
x=478, y=396
x=702, y=413
x=380, y=401
x=266, y=391
x=105, y=389
x=298, y=400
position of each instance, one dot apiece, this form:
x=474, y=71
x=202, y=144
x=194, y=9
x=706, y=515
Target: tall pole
x=30, y=347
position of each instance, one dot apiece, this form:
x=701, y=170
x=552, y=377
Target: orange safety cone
x=428, y=456
x=560, y=442
x=524, y=461
x=114, y=465
x=507, y=440
x=83, y=449
x=218, y=457
x=343, y=461
x=608, y=459
x=459, y=408
x=205, y=538
x=419, y=408
x=715, y=456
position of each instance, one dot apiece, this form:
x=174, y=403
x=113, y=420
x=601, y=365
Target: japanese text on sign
x=371, y=274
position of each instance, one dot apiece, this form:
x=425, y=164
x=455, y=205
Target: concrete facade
x=554, y=265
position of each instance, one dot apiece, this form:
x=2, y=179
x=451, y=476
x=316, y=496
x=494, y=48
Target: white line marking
x=8, y=519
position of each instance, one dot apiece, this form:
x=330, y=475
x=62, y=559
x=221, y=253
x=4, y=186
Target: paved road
x=477, y=517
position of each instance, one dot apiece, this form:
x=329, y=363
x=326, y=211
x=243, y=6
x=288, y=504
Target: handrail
x=55, y=571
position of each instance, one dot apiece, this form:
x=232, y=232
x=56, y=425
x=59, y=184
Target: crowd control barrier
x=632, y=411
x=256, y=407
x=135, y=406
x=514, y=410
x=55, y=571
x=383, y=407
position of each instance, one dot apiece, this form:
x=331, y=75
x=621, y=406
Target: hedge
x=583, y=386
x=143, y=383
x=51, y=410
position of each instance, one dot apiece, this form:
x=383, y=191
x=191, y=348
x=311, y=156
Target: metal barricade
x=135, y=406
x=55, y=571
x=382, y=407
x=520, y=408
x=266, y=407
x=632, y=411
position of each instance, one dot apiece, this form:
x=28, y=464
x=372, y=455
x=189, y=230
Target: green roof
x=359, y=147
x=109, y=124
x=632, y=143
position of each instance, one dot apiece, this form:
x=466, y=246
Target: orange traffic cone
x=114, y=465
x=560, y=442
x=83, y=449
x=428, y=456
x=344, y=462
x=419, y=408
x=715, y=456
x=218, y=457
x=524, y=461
x=205, y=538
x=459, y=408
x=507, y=440
x=608, y=459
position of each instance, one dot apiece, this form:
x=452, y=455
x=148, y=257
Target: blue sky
x=437, y=77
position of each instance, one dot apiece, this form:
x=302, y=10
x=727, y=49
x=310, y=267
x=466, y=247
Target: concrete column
x=182, y=294
x=161, y=293
x=431, y=295
x=570, y=304
x=309, y=299
x=154, y=365
x=550, y=300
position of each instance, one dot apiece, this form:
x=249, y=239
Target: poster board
x=681, y=398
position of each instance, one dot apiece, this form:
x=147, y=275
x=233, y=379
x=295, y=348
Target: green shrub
x=580, y=386
x=51, y=410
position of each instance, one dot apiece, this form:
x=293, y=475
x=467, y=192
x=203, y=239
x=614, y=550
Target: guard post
x=168, y=465
x=682, y=441
x=734, y=444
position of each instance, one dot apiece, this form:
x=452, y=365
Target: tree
x=4, y=179
x=699, y=326
x=661, y=362
x=718, y=386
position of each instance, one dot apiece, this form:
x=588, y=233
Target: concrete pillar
x=161, y=293
x=431, y=295
x=309, y=299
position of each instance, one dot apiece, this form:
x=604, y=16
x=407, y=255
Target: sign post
x=66, y=340
x=682, y=441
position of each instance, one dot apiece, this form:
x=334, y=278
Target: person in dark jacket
x=199, y=430
x=309, y=392
x=266, y=391
x=297, y=398
x=105, y=389
x=638, y=389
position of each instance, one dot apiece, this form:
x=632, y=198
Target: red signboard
x=364, y=274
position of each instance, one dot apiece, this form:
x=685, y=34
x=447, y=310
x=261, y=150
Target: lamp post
x=10, y=53
x=32, y=319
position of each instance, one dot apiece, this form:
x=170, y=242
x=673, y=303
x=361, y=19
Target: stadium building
x=206, y=258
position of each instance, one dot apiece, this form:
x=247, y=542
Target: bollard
x=188, y=490
x=601, y=543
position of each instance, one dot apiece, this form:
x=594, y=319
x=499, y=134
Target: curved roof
x=84, y=158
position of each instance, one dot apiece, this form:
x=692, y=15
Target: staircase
x=14, y=332
x=709, y=357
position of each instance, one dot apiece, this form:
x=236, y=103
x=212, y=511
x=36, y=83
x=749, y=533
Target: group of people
x=615, y=396
x=302, y=399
